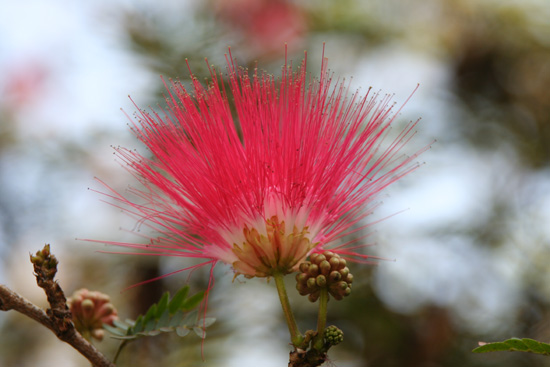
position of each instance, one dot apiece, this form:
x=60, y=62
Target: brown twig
x=58, y=317
x=302, y=358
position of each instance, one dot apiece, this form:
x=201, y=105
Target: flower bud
x=87, y=307
x=321, y=281
x=319, y=259
x=301, y=277
x=325, y=267
x=304, y=266
x=90, y=310
x=313, y=297
x=333, y=335
x=313, y=270
x=335, y=276
x=327, y=270
x=334, y=262
x=342, y=285
x=343, y=263
x=313, y=258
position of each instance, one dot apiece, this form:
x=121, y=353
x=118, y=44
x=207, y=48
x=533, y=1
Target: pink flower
x=90, y=310
x=283, y=168
x=264, y=24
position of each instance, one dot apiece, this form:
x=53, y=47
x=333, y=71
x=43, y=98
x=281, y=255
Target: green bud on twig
x=45, y=263
x=333, y=335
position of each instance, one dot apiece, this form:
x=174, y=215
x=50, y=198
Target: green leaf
x=182, y=331
x=164, y=320
x=167, y=315
x=138, y=326
x=162, y=304
x=150, y=326
x=206, y=322
x=199, y=331
x=515, y=345
x=114, y=330
x=150, y=314
x=177, y=300
x=121, y=325
x=191, y=318
x=192, y=302
x=177, y=319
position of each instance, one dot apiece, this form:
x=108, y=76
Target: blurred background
x=471, y=237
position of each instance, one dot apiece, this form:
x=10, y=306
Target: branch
x=58, y=317
x=9, y=300
x=309, y=358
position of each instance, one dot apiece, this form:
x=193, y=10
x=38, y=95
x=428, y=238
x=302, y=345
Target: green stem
x=120, y=347
x=321, y=319
x=295, y=335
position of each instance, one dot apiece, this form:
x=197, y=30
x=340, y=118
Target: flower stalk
x=295, y=336
x=321, y=319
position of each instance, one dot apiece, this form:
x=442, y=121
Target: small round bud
x=328, y=255
x=333, y=335
x=313, y=297
x=313, y=270
x=320, y=258
x=335, y=276
x=313, y=258
x=342, y=285
x=334, y=262
x=98, y=334
x=302, y=289
x=87, y=307
x=311, y=283
x=321, y=281
x=87, y=304
x=343, y=263
x=301, y=278
x=304, y=266
x=325, y=267
x=349, y=279
x=344, y=272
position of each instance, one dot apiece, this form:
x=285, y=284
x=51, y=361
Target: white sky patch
x=455, y=274
x=444, y=191
x=89, y=73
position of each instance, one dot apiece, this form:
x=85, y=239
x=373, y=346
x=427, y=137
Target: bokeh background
x=471, y=230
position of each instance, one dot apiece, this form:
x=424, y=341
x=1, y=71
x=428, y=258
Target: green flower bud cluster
x=45, y=263
x=333, y=335
x=326, y=270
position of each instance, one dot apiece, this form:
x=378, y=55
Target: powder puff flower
x=262, y=171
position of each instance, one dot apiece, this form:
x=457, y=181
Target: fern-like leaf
x=167, y=315
x=515, y=345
